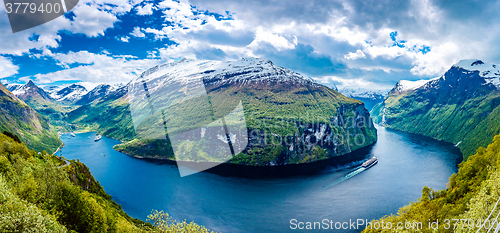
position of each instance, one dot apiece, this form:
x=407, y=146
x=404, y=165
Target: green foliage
x=25, y=124
x=15, y=137
x=110, y=117
x=80, y=210
x=473, y=122
x=165, y=224
x=18, y=215
x=39, y=193
x=471, y=194
x=273, y=111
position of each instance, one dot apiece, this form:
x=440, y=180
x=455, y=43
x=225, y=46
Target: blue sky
x=352, y=44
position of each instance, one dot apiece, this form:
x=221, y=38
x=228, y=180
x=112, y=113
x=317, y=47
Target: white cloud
x=92, y=18
x=353, y=56
x=7, y=68
x=450, y=35
x=124, y=39
x=275, y=39
x=357, y=83
x=137, y=32
x=97, y=68
x=159, y=34
x=346, y=32
x=145, y=10
x=190, y=32
x=179, y=12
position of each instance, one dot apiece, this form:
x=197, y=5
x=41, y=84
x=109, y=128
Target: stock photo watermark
x=361, y=224
x=26, y=14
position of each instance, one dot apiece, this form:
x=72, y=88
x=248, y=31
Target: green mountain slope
x=40, y=192
x=30, y=126
x=308, y=121
x=460, y=107
x=38, y=99
x=471, y=196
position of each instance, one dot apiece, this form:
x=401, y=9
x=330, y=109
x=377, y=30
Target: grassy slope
x=473, y=123
x=40, y=193
x=33, y=128
x=54, y=197
x=471, y=194
x=54, y=111
x=110, y=117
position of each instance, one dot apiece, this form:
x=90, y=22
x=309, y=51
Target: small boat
x=73, y=134
x=370, y=162
x=103, y=155
x=97, y=138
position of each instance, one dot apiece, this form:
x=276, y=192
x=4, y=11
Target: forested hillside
x=472, y=195
x=461, y=107
x=30, y=126
x=42, y=193
x=309, y=121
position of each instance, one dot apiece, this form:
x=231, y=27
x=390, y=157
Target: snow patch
x=363, y=93
x=489, y=72
x=13, y=87
x=243, y=71
x=406, y=85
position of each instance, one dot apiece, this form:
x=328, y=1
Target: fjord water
x=407, y=163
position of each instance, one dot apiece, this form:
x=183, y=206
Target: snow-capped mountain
x=489, y=72
x=28, y=91
x=370, y=98
x=406, y=85
x=217, y=73
x=70, y=93
x=195, y=94
x=51, y=88
x=12, y=87
x=486, y=74
x=27, y=124
x=462, y=105
x=98, y=92
x=362, y=93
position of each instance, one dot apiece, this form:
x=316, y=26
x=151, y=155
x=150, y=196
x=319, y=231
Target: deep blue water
x=406, y=164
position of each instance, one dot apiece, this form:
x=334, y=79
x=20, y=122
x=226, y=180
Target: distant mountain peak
x=362, y=93
x=489, y=72
x=28, y=91
x=100, y=91
x=215, y=73
x=70, y=93
x=406, y=85
x=485, y=69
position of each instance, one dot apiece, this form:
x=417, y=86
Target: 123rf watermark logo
x=25, y=14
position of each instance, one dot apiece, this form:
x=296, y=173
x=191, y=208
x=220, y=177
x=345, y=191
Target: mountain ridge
x=461, y=107
x=70, y=94
x=269, y=95
x=370, y=98
x=30, y=91
x=98, y=92
x=19, y=118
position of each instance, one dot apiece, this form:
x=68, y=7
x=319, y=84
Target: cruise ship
x=73, y=134
x=370, y=162
x=97, y=138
